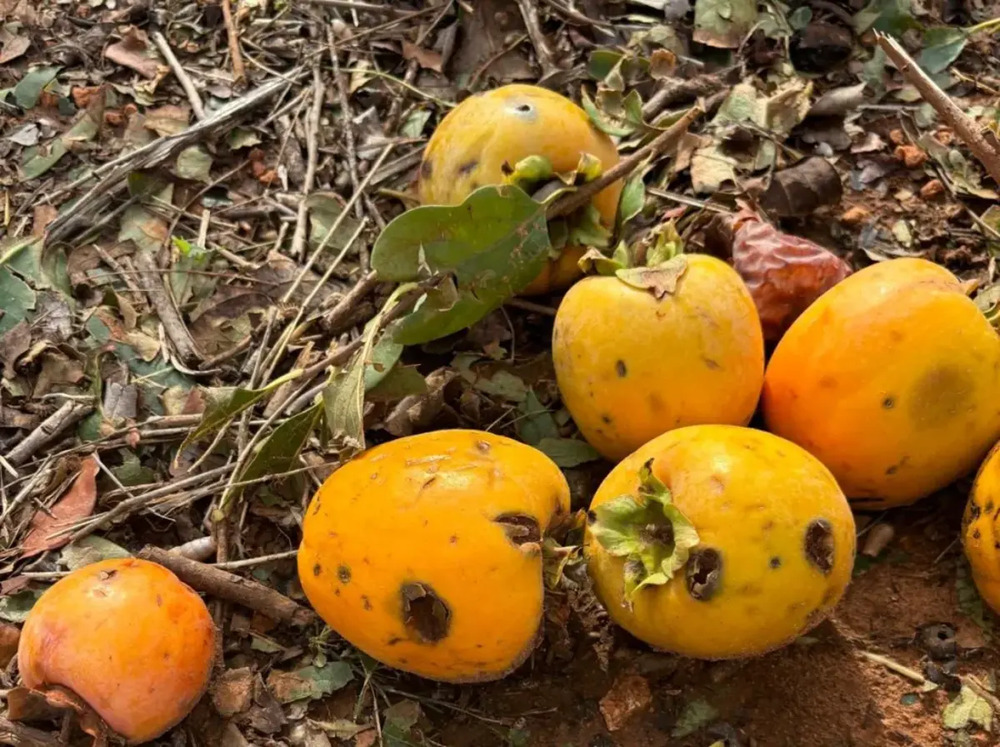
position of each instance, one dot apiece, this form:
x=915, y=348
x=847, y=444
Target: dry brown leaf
x=167, y=120
x=427, y=58
x=9, y=637
x=77, y=503
x=13, y=344
x=14, y=49
x=134, y=51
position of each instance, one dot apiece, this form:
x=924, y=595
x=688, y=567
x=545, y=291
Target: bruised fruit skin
x=981, y=532
x=891, y=379
x=425, y=552
x=128, y=637
x=631, y=366
x=772, y=549
x=496, y=129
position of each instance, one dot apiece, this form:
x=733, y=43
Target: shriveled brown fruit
x=784, y=273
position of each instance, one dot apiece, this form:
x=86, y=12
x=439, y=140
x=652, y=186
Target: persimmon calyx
x=653, y=536
x=661, y=280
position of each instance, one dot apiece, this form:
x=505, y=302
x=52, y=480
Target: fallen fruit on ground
x=650, y=349
x=480, y=142
x=891, y=379
x=981, y=532
x=425, y=552
x=128, y=637
x=719, y=541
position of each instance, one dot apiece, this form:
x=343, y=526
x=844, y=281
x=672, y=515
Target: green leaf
x=15, y=607
x=29, y=89
x=40, y=158
x=891, y=16
x=401, y=381
x=185, y=278
x=277, y=454
x=16, y=299
x=324, y=212
x=314, y=682
x=132, y=472
x=968, y=708
x=400, y=718
x=194, y=163
x=488, y=248
x=651, y=534
x=723, y=23
x=240, y=137
x=224, y=404
x=383, y=358
x=535, y=422
x=942, y=46
x=91, y=549
x=568, y=452
x=696, y=714
x=633, y=197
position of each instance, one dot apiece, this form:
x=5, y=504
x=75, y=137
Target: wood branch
x=182, y=77
x=166, y=310
x=232, y=588
x=950, y=112
x=661, y=143
x=233, y=37
x=49, y=430
x=20, y=735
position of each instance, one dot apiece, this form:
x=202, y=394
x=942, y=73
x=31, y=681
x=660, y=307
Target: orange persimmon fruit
x=425, y=552
x=129, y=638
x=483, y=138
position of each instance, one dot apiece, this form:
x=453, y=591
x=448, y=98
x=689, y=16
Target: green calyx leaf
x=648, y=531
x=661, y=280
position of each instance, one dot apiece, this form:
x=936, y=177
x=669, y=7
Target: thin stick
x=166, y=310
x=966, y=129
x=298, y=248
x=546, y=58
x=662, y=142
x=49, y=429
x=239, y=71
x=230, y=587
x=182, y=77
x=250, y=562
x=897, y=668
x=347, y=126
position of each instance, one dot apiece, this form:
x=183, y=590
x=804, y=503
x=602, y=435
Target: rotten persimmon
x=482, y=140
x=425, y=552
x=650, y=349
x=719, y=541
x=981, y=530
x=891, y=379
x=128, y=637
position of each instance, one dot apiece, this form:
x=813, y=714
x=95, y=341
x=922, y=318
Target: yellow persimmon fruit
x=129, y=638
x=719, y=541
x=981, y=531
x=425, y=552
x=634, y=362
x=892, y=379
x=485, y=136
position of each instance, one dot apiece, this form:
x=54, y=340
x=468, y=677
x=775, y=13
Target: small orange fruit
x=425, y=552
x=128, y=637
x=981, y=530
x=493, y=131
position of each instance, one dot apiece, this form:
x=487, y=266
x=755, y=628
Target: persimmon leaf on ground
x=723, y=23
x=942, y=46
x=77, y=503
x=490, y=247
x=568, y=452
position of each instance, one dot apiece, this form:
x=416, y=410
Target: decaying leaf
x=309, y=682
x=802, y=189
x=77, y=503
x=135, y=51
x=968, y=708
x=723, y=23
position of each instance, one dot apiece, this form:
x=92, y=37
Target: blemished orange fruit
x=631, y=366
x=719, y=541
x=981, y=530
x=892, y=379
x=494, y=130
x=129, y=638
x=425, y=552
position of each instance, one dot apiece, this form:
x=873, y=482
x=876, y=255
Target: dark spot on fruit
x=989, y=506
x=108, y=575
x=768, y=525
x=941, y=395
x=159, y=601
x=775, y=562
x=428, y=482
x=704, y=572
x=520, y=529
x=344, y=574
x=374, y=475
x=483, y=447
x=524, y=109
x=366, y=602
x=317, y=569
x=336, y=592
x=975, y=534
x=403, y=660
x=591, y=517
x=711, y=364
x=889, y=402
x=393, y=641
x=506, y=169
x=426, y=169
x=892, y=470
x=453, y=539
x=621, y=369
x=974, y=511
x=656, y=403
x=425, y=614
x=467, y=167
x=819, y=544
x=166, y=655
x=606, y=419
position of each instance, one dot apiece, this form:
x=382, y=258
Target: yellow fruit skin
x=751, y=496
x=422, y=510
x=630, y=367
x=980, y=530
x=475, y=140
x=891, y=379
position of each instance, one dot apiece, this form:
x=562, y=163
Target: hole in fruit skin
x=704, y=573
x=425, y=614
x=344, y=574
x=468, y=167
x=621, y=369
x=520, y=529
x=819, y=544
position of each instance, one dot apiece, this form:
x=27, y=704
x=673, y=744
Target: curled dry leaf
x=784, y=273
x=77, y=503
x=135, y=52
x=803, y=188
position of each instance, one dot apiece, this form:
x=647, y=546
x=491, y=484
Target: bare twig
x=662, y=142
x=676, y=90
x=65, y=417
x=239, y=71
x=230, y=587
x=347, y=126
x=166, y=310
x=20, y=735
x=943, y=105
x=895, y=667
x=347, y=303
x=359, y=5
x=298, y=248
x=520, y=303
x=182, y=77
x=546, y=57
